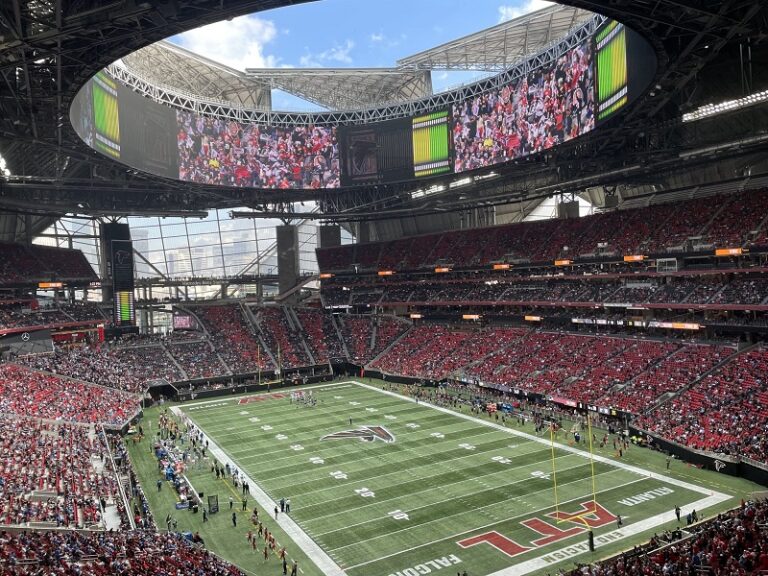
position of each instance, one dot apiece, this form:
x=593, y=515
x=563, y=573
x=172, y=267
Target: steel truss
x=176, y=98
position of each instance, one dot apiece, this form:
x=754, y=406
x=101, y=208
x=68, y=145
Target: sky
x=349, y=34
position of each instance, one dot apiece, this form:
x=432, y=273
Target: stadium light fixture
x=727, y=106
x=461, y=182
x=4, y=171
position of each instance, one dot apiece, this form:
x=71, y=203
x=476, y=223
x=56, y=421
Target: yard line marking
x=585, y=454
x=334, y=417
x=433, y=520
x=318, y=555
x=310, y=438
x=453, y=498
x=377, y=456
x=296, y=415
x=312, y=433
x=428, y=489
x=330, y=449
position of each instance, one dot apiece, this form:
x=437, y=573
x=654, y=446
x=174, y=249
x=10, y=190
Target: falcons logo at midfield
x=364, y=433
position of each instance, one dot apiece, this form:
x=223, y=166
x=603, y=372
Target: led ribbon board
x=612, y=79
x=106, y=115
x=431, y=148
x=124, y=309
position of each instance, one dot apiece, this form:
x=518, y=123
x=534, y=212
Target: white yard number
x=501, y=460
x=339, y=475
x=297, y=447
x=353, y=403
x=266, y=427
x=338, y=397
x=254, y=419
x=466, y=446
x=371, y=410
x=243, y=413
x=281, y=437
x=437, y=435
x=540, y=474
x=316, y=460
x=412, y=425
x=390, y=417
x=365, y=493
x=398, y=515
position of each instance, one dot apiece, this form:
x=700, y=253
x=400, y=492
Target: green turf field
x=447, y=492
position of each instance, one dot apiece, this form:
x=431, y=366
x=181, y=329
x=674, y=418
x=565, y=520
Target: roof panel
x=494, y=49
x=166, y=64
x=347, y=88
x=500, y=47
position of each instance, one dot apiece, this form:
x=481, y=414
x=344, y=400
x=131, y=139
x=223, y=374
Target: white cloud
x=308, y=61
x=515, y=11
x=238, y=43
x=339, y=54
x=377, y=37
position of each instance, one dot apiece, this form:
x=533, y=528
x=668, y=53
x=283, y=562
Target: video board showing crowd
x=228, y=153
x=549, y=106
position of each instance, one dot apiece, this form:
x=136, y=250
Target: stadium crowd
x=28, y=313
x=750, y=290
x=129, y=553
x=733, y=543
x=126, y=368
x=356, y=331
x=197, y=359
x=724, y=412
x=22, y=264
x=233, y=339
x=281, y=335
x=18, y=314
x=52, y=472
x=321, y=336
x=26, y=392
x=704, y=223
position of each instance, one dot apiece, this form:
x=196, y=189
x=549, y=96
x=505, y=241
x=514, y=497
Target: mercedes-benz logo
x=25, y=336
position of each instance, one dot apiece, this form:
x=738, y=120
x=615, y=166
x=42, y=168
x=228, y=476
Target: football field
x=381, y=485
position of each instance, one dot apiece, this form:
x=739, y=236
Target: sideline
x=324, y=562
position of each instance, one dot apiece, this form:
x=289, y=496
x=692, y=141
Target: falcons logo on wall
x=364, y=433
